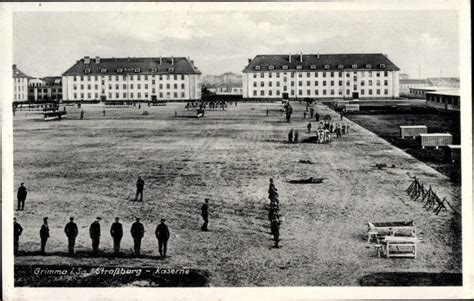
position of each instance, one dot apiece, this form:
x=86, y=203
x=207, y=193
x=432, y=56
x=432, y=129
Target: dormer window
x=119, y=70
x=257, y=67
x=154, y=70
x=87, y=70
x=341, y=66
x=299, y=67
x=271, y=67
x=285, y=67
x=382, y=66
x=170, y=69
x=103, y=70
x=326, y=66
x=368, y=66
x=354, y=66
x=312, y=67
x=137, y=70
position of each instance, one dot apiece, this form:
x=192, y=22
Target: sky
x=421, y=43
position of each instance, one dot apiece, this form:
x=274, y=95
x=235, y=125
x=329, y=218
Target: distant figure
x=71, y=231
x=205, y=214
x=14, y=110
x=342, y=115
x=275, y=228
x=44, y=234
x=290, y=136
x=309, y=127
x=116, y=231
x=103, y=111
x=140, y=185
x=272, y=190
x=17, y=230
x=267, y=112
x=94, y=232
x=139, y=106
x=21, y=196
x=304, y=115
x=311, y=112
x=175, y=113
x=137, y=231
x=162, y=233
x=317, y=117
x=295, y=140
x=82, y=114
x=64, y=109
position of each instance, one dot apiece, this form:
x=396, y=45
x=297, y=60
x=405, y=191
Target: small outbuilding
x=412, y=130
x=436, y=139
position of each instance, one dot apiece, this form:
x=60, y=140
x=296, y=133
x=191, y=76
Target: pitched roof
x=444, y=81
x=120, y=66
x=319, y=61
x=18, y=73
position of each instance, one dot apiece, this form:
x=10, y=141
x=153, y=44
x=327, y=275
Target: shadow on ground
x=412, y=279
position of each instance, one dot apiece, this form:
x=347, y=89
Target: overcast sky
x=49, y=43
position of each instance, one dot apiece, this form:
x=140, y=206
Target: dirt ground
x=88, y=168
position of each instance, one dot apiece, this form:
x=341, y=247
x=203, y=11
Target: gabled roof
x=18, y=73
x=317, y=62
x=121, y=66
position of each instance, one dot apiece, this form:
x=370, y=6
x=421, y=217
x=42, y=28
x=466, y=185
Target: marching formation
x=274, y=213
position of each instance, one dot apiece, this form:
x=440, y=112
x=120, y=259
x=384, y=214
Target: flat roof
x=436, y=134
x=454, y=146
x=412, y=126
x=447, y=92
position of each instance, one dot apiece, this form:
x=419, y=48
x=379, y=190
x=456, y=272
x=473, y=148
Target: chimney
x=161, y=60
x=192, y=63
x=289, y=57
x=172, y=60
x=14, y=66
x=317, y=55
x=301, y=57
x=87, y=60
x=97, y=60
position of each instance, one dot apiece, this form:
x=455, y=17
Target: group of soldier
x=274, y=213
x=218, y=105
x=293, y=136
x=137, y=229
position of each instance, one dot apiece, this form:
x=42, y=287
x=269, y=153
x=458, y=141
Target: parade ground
x=88, y=168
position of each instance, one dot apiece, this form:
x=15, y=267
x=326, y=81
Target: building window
x=340, y=83
x=316, y=83
x=262, y=75
x=362, y=83
x=332, y=92
x=382, y=66
x=378, y=91
x=182, y=76
x=377, y=74
x=316, y=92
x=75, y=95
x=300, y=92
x=254, y=93
x=168, y=86
x=324, y=74
x=370, y=82
x=74, y=87
x=308, y=92
x=385, y=91
x=269, y=84
x=292, y=74
x=270, y=75
x=362, y=92
x=285, y=67
x=262, y=93
x=324, y=83
x=354, y=88
x=161, y=86
x=117, y=86
x=82, y=87
x=161, y=94
x=278, y=92
x=332, y=74
x=257, y=67
x=262, y=84
x=378, y=83
x=292, y=92
x=324, y=92
x=385, y=73
x=270, y=93
x=182, y=86
x=75, y=78
x=255, y=84
x=278, y=75
x=82, y=95
x=385, y=82
x=292, y=83
x=300, y=83
x=278, y=84
x=348, y=92
x=332, y=83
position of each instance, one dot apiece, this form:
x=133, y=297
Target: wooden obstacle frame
x=430, y=200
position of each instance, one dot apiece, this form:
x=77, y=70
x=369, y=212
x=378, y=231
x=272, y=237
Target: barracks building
x=321, y=76
x=132, y=79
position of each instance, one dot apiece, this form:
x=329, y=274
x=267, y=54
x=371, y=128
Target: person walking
x=71, y=231
x=162, y=233
x=137, y=231
x=44, y=234
x=205, y=214
x=140, y=185
x=309, y=127
x=94, y=233
x=116, y=231
x=17, y=230
x=21, y=196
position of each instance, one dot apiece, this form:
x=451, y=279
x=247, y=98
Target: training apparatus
x=412, y=130
x=310, y=180
x=430, y=200
x=436, y=139
x=394, y=239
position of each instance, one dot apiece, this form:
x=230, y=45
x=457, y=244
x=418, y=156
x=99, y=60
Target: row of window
x=131, y=77
x=130, y=95
x=444, y=99
x=313, y=67
x=323, y=74
x=19, y=88
x=316, y=92
x=324, y=83
x=132, y=86
x=45, y=90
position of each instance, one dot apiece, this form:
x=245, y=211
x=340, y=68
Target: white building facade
x=132, y=79
x=20, y=85
x=325, y=76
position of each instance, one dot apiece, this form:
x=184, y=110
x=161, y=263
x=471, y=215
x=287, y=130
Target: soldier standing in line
x=82, y=114
x=71, y=231
x=295, y=140
x=311, y=112
x=44, y=234
x=140, y=185
x=137, y=231
x=94, y=232
x=275, y=228
x=162, y=233
x=290, y=136
x=267, y=112
x=304, y=115
x=116, y=231
x=103, y=111
x=205, y=214
x=317, y=117
x=17, y=230
x=309, y=127
x=21, y=196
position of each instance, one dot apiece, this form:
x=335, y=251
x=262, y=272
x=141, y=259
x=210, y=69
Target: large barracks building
x=133, y=79
x=321, y=76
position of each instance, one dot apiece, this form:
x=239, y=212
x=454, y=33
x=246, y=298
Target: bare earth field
x=88, y=168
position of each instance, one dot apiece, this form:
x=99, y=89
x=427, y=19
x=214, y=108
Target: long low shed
x=412, y=130
x=436, y=139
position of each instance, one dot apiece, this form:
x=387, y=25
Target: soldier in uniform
x=71, y=231
x=205, y=214
x=21, y=196
x=137, y=231
x=44, y=234
x=309, y=127
x=275, y=228
x=140, y=185
x=17, y=230
x=116, y=231
x=290, y=136
x=82, y=114
x=162, y=233
x=295, y=140
x=94, y=232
